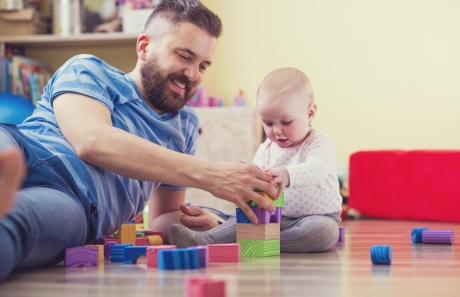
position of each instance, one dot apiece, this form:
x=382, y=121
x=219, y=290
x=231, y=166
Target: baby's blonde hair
x=284, y=81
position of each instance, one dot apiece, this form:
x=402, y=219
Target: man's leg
x=41, y=225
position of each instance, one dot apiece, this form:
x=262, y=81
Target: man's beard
x=157, y=91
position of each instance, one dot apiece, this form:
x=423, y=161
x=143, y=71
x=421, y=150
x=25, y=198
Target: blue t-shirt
x=114, y=199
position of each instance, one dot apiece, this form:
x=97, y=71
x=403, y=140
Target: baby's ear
x=312, y=111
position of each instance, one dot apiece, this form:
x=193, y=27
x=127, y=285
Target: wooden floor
x=416, y=270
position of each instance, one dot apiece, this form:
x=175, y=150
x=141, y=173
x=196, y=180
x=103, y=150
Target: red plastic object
x=406, y=184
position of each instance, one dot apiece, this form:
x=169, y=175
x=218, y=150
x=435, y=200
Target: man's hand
x=196, y=218
x=236, y=182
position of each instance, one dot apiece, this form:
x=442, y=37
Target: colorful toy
x=381, y=254
x=81, y=257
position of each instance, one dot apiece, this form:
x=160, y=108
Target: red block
x=406, y=184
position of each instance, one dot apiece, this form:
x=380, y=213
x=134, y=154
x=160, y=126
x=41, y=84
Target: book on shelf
x=25, y=76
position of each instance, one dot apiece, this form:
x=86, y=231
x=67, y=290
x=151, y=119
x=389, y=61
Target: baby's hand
x=280, y=177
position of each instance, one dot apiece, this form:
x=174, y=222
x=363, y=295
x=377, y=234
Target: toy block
x=151, y=232
x=117, y=252
x=204, y=287
x=110, y=239
x=107, y=252
x=381, y=254
x=100, y=251
x=128, y=234
x=277, y=203
x=81, y=256
x=259, y=248
x=132, y=253
x=266, y=217
x=241, y=217
x=155, y=239
x=139, y=234
x=226, y=252
x=152, y=254
x=258, y=231
x=142, y=241
x=176, y=259
x=203, y=255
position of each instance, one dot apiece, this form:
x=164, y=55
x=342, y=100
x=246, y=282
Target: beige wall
x=385, y=73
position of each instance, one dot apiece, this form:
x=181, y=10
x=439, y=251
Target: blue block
x=241, y=217
x=176, y=259
x=134, y=252
x=117, y=252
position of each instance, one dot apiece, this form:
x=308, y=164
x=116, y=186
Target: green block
x=280, y=201
x=277, y=203
x=259, y=248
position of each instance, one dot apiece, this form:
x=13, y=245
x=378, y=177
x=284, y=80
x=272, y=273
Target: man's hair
x=187, y=11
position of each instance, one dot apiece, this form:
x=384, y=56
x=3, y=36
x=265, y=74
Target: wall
x=385, y=73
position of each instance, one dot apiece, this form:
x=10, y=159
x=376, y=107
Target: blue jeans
x=48, y=216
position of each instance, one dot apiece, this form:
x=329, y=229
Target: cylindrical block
x=381, y=254
x=417, y=234
x=438, y=236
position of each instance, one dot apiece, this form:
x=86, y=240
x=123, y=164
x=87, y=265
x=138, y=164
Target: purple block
x=266, y=217
x=438, y=236
x=107, y=249
x=341, y=233
x=203, y=255
x=81, y=256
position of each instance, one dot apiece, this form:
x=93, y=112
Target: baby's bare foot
x=12, y=171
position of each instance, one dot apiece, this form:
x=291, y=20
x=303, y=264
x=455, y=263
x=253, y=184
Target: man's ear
x=143, y=41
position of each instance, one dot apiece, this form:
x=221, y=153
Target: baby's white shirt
x=314, y=185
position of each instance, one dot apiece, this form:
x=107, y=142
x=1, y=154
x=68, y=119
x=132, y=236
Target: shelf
x=85, y=39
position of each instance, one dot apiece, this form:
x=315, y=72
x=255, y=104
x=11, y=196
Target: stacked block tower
x=263, y=239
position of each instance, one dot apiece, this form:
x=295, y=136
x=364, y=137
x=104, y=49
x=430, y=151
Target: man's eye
x=202, y=67
x=184, y=57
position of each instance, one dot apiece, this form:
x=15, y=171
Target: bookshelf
x=117, y=49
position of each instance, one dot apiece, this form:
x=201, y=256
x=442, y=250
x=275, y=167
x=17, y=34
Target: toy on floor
x=425, y=235
x=263, y=239
x=381, y=254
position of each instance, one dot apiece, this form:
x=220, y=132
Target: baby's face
x=285, y=120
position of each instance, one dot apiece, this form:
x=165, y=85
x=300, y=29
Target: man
x=101, y=143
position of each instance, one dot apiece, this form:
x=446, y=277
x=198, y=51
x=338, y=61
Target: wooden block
x=277, y=203
x=227, y=252
x=100, y=251
x=241, y=217
x=117, y=252
x=132, y=253
x=128, y=234
x=155, y=239
x=259, y=248
x=175, y=259
x=203, y=255
x=152, y=254
x=204, y=287
x=142, y=241
x=259, y=231
x=81, y=256
x=266, y=217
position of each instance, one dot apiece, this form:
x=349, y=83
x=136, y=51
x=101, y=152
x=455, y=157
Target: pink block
x=142, y=241
x=227, y=252
x=204, y=287
x=152, y=257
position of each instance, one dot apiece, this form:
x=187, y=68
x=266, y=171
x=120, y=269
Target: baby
x=302, y=163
